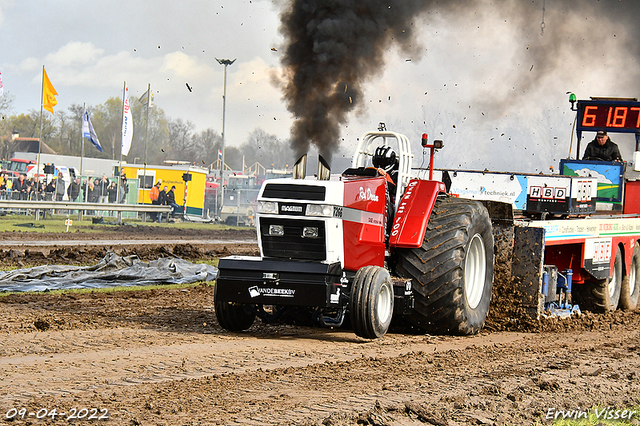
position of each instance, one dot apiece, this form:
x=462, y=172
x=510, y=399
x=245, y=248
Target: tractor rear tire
x=233, y=316
x=603, y=295
x=371, y=305
x=452, y=272
x=630, y=288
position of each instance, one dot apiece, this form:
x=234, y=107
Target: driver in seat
x=386, y=163
x=602, y=148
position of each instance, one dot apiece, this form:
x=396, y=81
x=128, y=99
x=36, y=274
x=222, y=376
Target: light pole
x=224, y=62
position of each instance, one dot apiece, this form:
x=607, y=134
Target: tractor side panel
x=410, y=221
x=364, y=220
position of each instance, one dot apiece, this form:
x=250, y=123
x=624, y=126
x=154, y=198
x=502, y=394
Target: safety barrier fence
x=40, y=208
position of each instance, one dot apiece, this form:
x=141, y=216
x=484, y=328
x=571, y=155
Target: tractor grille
x=294, y=192
x=291, y=245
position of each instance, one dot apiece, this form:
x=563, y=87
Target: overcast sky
x=481, y=76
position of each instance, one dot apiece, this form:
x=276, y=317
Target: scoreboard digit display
x=610, y=115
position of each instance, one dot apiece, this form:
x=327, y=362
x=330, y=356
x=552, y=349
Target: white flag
x=1, y=86
x=127, y=124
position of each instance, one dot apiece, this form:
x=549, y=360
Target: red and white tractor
x=336, y=248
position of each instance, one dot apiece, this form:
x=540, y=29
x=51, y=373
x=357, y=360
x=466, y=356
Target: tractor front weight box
x=254, y=280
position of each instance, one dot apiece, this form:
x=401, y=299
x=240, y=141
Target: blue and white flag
x=89, y=133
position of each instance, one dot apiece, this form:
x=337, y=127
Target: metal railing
x=39, y=207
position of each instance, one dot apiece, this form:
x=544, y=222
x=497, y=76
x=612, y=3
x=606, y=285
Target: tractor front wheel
x=452, y=272
x=371, y=306
x=233, y=316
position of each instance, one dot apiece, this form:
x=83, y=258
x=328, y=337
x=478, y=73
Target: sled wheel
x=629, y=288
x=452, y=272
x=603, y=295
x=371, y=306
x=233, y=316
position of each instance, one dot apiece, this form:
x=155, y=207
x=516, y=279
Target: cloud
x=4, y=5
x=74, y=54
x=181, y=65
x=592, y=173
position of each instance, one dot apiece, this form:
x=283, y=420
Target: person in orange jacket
x=155, y=192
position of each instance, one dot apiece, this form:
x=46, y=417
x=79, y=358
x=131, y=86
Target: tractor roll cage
x=367, y=147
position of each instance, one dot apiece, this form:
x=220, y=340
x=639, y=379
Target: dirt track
x=159, y=357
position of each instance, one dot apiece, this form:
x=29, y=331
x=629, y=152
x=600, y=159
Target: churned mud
x=29, y=248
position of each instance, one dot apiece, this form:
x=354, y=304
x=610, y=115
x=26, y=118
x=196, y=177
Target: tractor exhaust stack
x=324, y=171
x=300, y=168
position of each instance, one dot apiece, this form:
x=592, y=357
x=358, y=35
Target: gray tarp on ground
x=111, y=271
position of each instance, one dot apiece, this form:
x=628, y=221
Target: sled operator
x=602, y=148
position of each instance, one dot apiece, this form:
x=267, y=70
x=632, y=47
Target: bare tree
x=75, y=129
x=107, y=121
x=207, y=144
x=266, y=149
x=181, y=139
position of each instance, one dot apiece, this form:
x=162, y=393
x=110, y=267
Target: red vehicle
x=17, y=167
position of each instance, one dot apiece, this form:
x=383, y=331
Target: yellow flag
x=48, y=93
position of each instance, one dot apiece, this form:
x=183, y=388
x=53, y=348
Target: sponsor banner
x=579, y=229
x=598, y=250
x=527, y=192
x=597, y=256
x=476, y=185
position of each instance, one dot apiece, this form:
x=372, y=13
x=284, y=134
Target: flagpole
x=146, y=137
x=224, y=62
x=84, y=111
x=86, y=183
x=124, y=88
x=40, y=136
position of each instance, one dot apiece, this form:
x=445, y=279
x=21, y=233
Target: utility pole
x=225, y=62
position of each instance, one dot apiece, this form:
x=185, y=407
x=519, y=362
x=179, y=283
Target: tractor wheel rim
x=632, y=276
x=475, y=268
x=613, y=283
x=385, y=296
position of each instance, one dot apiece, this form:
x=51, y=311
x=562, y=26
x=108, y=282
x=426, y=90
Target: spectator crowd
x=91, y=190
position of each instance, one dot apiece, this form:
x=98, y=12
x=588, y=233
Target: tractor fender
x=411, y=218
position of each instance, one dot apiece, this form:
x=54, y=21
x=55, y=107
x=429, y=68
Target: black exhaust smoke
x=332, y=48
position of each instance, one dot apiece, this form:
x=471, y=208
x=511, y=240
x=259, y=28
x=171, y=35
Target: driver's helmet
x=385, y=158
